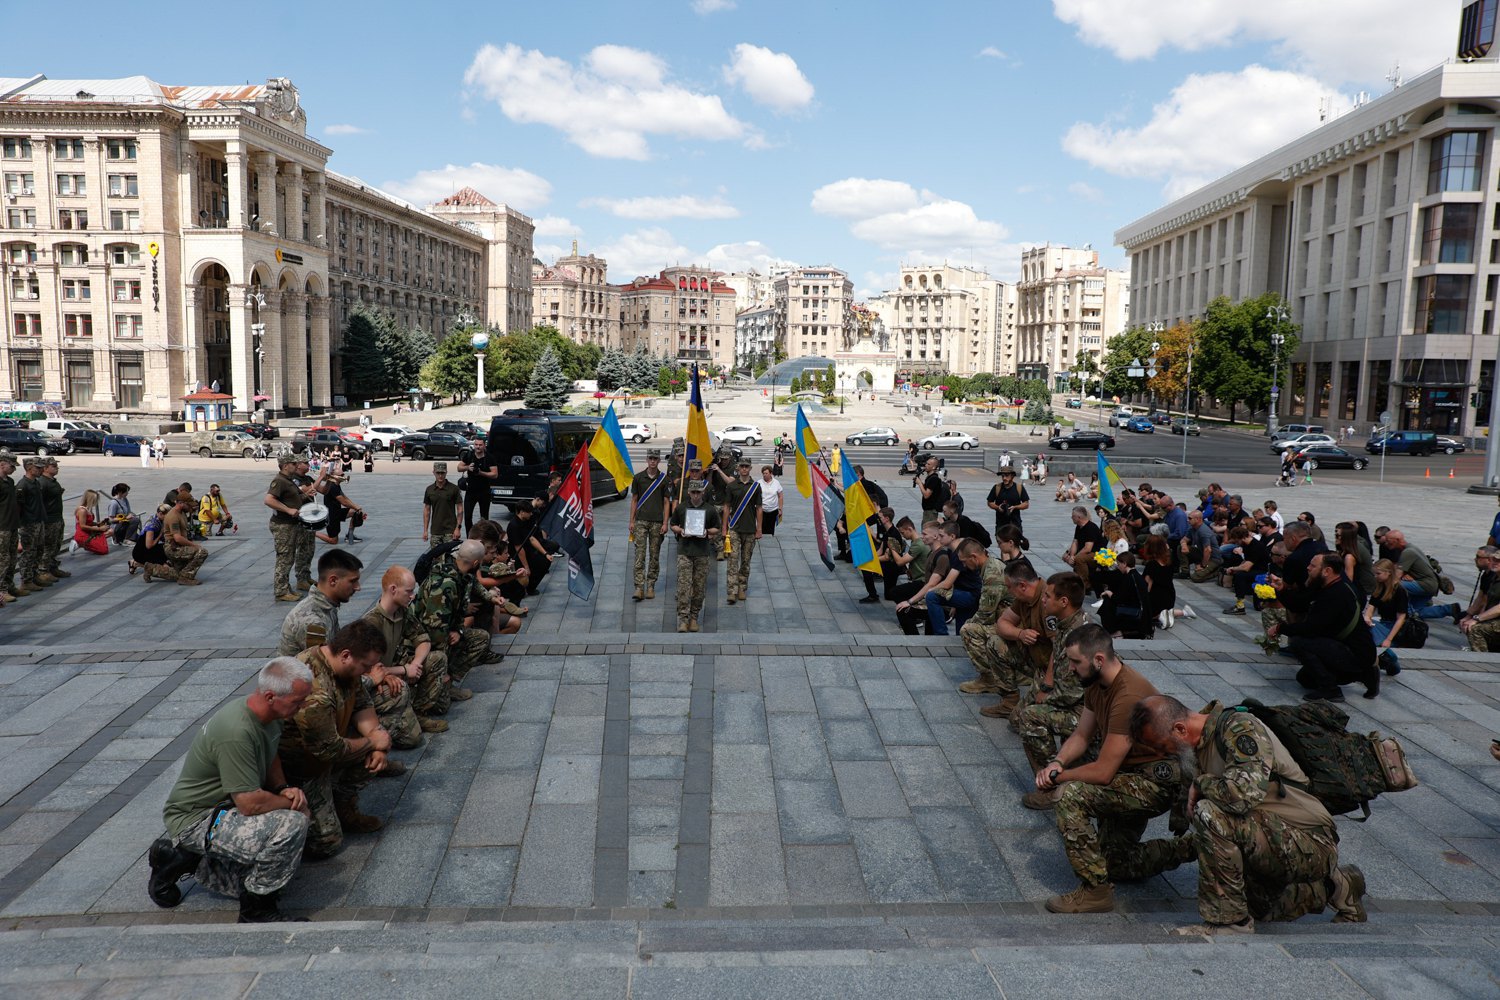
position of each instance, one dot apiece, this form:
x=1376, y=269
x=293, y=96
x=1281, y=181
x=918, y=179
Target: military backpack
x=1344, y=770
x=423, y=568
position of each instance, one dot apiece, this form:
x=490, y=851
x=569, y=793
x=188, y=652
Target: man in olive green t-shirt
x=232, y=820
x=440, y=506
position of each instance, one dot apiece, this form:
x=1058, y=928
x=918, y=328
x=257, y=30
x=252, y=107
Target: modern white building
x=1381, y=230
x=814, y=314
x=942, y=318
x=1068, y=308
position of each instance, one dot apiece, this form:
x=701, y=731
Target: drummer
x=285, y=500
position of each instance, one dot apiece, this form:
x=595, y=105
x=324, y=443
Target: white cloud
x=511, y=186
x=751, y=255
x=1341, y=40
x=770, y=78
x=345, y=130
x=860, y=197
x=608, y=106
x=645, y=251
x=712, y=6
x=683, y=206
x=555, y=225
x=1085, y=192
x=990, y=52
x=1211, y=124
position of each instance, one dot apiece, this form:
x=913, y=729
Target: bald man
x=443, y=605
x=408, y=648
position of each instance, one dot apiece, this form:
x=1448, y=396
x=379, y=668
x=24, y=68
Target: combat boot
x=431, y=725
x=682, y=626
x=20, y=590
x=983, y=684
x=1003, y=708
x=1041, y=800
x=1031, y=758
x=639, y=595
x=1347, y=897
x=42, y=580
x=1084, y=899
x=692, y=625
x=59, y=572
x=650, y=591
x=169, y=864
x=257, y=909
x=732, y=593
x=354, y=821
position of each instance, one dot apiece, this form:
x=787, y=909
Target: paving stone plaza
x=794, y=802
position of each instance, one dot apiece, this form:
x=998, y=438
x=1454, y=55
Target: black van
x=528, y=449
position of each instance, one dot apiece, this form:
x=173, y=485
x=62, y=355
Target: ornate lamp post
x=480, y=341
x=256, y=299
x=1277, y=314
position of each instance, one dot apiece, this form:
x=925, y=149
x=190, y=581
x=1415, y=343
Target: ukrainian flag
x=1110, y=486
x=857, y=510
x=608, y=449
x=698, y=444
x=806, y=444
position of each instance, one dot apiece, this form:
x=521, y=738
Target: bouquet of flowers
x=1105, y=558
x=1265, y=592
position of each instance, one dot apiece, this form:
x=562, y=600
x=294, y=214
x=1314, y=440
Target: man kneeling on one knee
x=1266, y=849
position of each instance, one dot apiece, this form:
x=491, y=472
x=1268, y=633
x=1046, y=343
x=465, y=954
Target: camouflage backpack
x=1344, y=770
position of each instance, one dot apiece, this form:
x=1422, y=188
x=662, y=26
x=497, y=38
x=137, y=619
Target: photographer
x=1007, y=499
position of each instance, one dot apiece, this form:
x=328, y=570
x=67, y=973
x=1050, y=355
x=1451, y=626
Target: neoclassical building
x=574, y=296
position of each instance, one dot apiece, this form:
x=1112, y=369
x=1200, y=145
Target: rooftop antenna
x=1362, y=98
x=1394, y=77
x=1323, y=107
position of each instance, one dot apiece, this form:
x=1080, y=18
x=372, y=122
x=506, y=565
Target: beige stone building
x=755, y=335
x=574, y=296
x=1068, y=307
x=683, y=312
x=813, y=311
x=942, y=318
x=156, y=239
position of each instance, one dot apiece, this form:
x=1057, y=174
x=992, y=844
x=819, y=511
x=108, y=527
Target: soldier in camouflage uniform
x=994, y=598
x=1482, y=624
x=741, y=513
x=693, y=553
x=1050, y=711
x=1104, y=804
x=1017, y=651
x=284, y=498
x=52, y=526
x=716, y=495
x=252, y=846
x=1262, y=854
x=650, y=500
x=10, y=522
x=306, y=537
x=31, y=507
x=442, y=606
x=409, y=654
x=335, y=744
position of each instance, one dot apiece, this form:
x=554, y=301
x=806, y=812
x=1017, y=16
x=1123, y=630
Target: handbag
x=1413, y=634
x=463, y=483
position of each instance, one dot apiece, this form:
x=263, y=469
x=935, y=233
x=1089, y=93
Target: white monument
x=865, y=363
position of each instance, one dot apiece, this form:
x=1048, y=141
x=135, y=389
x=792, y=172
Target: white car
x=949, y=439
x=383, y=436
x=1300, y=441
x=742, y=434
x=633, y=430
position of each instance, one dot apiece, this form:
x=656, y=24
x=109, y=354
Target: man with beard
x=1120, y=790
x=1007, y=499
x=1262, y=854
x=1050, y=712
x=1018, y=649
x=1332, y=640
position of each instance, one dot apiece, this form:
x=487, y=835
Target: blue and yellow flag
x=806, y=445
x=608, y=449
x=698, y=444
x=858, y=509
x=1110, y=486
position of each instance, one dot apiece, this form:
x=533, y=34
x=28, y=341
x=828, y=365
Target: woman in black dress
x=1161, y=587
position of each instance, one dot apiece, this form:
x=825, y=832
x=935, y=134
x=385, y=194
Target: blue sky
x=864, y=135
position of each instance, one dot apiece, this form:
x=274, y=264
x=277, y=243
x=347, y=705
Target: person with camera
x=1007, y=499
x=476, y=474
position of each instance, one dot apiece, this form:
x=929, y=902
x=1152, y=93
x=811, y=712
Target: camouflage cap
x=6, y=456
x=439, y=467
x=696, y=465
x=31, y=462
x=696, y=486
x=653, y=453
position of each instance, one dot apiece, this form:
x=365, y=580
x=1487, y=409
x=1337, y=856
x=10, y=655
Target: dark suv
x=433, y=444
x=261, y=432
x=463, y=428
x=86, y=440
x=24, y=441
x=326, y=441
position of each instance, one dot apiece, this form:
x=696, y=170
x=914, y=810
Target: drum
x=313, y=515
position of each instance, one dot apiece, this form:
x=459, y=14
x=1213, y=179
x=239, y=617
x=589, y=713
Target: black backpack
x=423, y=568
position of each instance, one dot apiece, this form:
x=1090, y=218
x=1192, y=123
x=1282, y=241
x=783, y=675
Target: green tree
x=450, y=371
x=643, y=369
x=1235, y=358
x=1134, y=344
x=547, y=388
x=364, y=371
x=613, y=371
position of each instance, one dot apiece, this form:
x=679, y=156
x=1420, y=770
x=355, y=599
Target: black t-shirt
x=1002, y=494
x=1393, y=607
x=1236, y=518
x=938, y=492
x=877, y=496
x=475, y=464
x=331, y=493
x=519, y=531
x=1088, y=532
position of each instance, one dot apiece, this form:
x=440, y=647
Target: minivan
x=1295, y=430
x=1403, y=443
x=57, y=427
x=527, y=450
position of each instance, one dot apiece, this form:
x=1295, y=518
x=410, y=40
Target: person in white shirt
x=770, y=500
x=159, y=451
x=1270, y=511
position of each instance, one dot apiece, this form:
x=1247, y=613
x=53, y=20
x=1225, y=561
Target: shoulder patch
x=1050, y=624
x=1247, y=745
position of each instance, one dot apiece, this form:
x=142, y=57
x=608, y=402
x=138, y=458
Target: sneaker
x=1333, y=695
x=1166, y=619
x=431, y=725
x=1246, y=926
x=1097, y=604
x=1084, y=899
x=1347, y=898
x=1235, y=609
x=1188, y=612
x=1041, y=800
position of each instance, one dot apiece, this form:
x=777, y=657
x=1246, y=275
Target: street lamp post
x=480, y=341
x=256, y=299
x=1277, y=314
x=773, y=388
x=1187, y=403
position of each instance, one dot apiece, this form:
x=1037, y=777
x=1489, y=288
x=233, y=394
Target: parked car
x=949, y=439
x=1160, y=417
x=741, y=434
x=1450, y=445
x=1329, y=456
x=1293, y=430
x=1300, y=441
x=1096, y=440
x=57, y=427
x=380, y=436
x=1403, y=443
x=86, y=440
x=1121, y=417
x=463, y=428
x=1140, y=425
x=208, y=444
x=874, y=435
x=1188, y=426
x=261, y=432
x=637, y=431
x=124, y=444
x=1074, y=404
x=433, y=444
x=324, y=440
x=25, y=441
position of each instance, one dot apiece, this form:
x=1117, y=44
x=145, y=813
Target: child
x=1123, y=611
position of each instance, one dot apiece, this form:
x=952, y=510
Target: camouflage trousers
x=258, y=854
x=1484, y=637
x=1270, y=615
x=7, y=560
x=31, y=551
x=648, y=536
x=739, y=561
x=302, y=556
x=397, y=716
x=52, y=540
x=325, y=791
x=1259, y=866
x=185, y=559
x=692, y=585
x=473, y=644
x=1043, y=725
x=429, y=693
x=1006, y=664
x=1121, y=810
x=159, y=571
x=284, y=538
x=1206, y=574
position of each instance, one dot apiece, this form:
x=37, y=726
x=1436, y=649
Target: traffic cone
x=1429, y=474
x=1450, y=473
